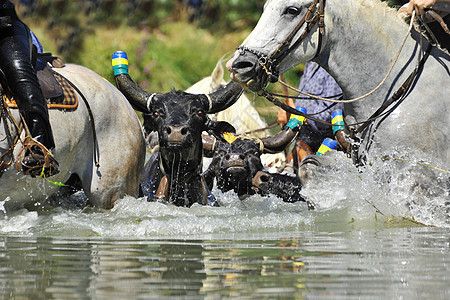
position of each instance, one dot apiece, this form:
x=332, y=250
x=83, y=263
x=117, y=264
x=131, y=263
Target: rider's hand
x=282, y=115
x=419, y=6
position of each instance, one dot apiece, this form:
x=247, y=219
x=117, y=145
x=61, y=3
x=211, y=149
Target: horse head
x=288, y=33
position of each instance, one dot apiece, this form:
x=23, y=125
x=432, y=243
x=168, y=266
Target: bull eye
x=200, y=112
x=292, y=10
x=256, y=153
x=156, y=114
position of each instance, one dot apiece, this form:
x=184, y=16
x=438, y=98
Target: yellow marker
x=229, y=137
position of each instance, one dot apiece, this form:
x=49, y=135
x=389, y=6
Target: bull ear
x=148, y=123
x=224, y=97
x=216, y=128
x=219, y=126
x=279, y=141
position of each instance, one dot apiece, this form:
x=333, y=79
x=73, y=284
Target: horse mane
x=404, y=17
x=379, y=5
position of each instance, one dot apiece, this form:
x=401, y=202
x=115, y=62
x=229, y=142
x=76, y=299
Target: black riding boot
x=15, y=62
x=39, y=161
x=33, y=107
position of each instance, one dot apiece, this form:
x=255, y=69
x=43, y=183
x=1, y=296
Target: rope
x=271, y=125
x=91, y=119
x=367, y=94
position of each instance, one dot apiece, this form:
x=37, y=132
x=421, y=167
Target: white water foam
x=384, y=194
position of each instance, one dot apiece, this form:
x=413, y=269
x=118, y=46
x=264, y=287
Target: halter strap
x=270, y=63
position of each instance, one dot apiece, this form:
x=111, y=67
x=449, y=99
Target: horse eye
x=292, y=10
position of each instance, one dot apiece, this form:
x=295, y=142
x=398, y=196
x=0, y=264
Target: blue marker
x=120, y=63
x=297, y=120
x=327, y=145
x=337, y=119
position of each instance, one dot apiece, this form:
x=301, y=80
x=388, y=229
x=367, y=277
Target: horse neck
x=363, y=38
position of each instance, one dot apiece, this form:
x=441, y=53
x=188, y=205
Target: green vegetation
x=165, y=50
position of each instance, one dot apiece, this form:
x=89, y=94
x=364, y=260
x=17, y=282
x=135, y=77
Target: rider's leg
x=15, y=62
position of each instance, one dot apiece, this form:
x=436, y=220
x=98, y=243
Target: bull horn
x=224, y=97
x=137, y=96
x=209, y=142
x=279, y=141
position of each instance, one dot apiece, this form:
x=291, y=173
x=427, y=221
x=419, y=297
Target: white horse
x=359, y=43
x=242, y=114
x=120, y=147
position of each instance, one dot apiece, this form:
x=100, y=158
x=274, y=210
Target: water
x=364, y=240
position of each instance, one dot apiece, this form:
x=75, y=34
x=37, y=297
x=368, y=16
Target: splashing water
x=344, y=198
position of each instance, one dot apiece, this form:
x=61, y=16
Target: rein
x=399, y=94
x=6, y=116
x=91, y=119
x=270, y=63
x=365, y=95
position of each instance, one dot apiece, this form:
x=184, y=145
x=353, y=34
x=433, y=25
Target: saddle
x=56, y=89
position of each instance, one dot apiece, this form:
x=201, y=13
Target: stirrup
x=35, y=159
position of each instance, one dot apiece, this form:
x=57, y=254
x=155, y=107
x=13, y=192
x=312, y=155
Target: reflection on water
x=391, y=263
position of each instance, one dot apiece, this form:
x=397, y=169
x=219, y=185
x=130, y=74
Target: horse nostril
x=184, y=131
x=243, y=64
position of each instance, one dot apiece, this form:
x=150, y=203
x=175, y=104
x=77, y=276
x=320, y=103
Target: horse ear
x=224, y=97
x=217, y=77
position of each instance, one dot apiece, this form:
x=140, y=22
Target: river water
x=363, y=241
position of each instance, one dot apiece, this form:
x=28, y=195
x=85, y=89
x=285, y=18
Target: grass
x=174, y=56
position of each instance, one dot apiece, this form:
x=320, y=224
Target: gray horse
x=357, y=49
x=120, y=147
x=356, y=41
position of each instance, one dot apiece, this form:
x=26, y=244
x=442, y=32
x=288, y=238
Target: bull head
x=235, y=164
x=179, y=118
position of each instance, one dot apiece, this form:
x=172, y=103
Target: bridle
x=270, y=63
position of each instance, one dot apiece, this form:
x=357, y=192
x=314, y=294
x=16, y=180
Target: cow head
x=235, y=164
x=180, y=118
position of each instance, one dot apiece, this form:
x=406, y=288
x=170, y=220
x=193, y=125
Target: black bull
x=237, y=166
x=174, y=171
